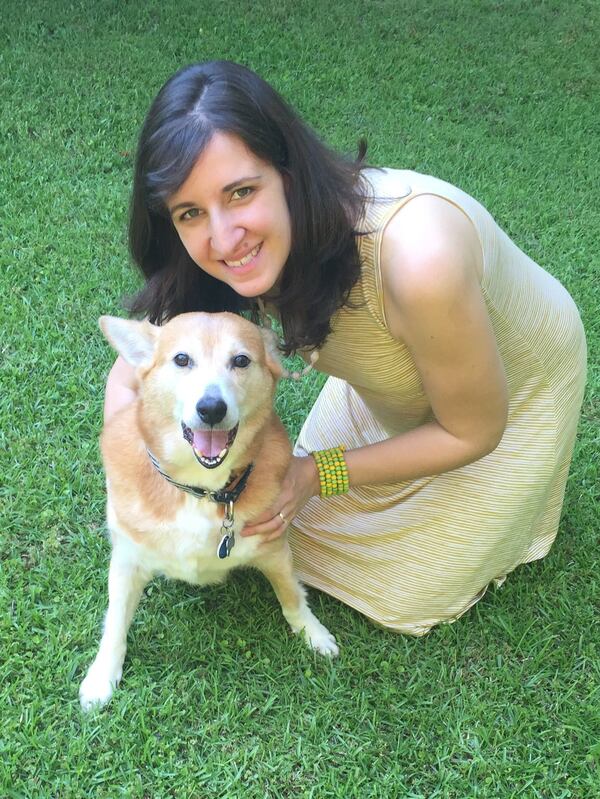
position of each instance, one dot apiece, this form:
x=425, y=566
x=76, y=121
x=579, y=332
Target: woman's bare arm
x=431, y=270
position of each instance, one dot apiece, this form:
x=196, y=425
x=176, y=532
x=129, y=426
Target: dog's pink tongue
x=210, y=442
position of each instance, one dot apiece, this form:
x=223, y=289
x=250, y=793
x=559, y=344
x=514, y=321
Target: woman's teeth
x=246, y=259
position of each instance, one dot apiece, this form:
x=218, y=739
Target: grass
x=217, y=699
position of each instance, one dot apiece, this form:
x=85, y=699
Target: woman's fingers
x=297, y=487
x=273, y=526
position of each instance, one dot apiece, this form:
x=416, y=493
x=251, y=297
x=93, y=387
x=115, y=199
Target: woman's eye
x=191, y=213
x=240, y=361
x=181, y=359
x=241, y=193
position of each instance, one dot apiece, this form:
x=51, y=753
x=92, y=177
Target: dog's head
x=209, y=379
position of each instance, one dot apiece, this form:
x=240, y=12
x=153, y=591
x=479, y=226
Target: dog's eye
x=182, y=359
x=240, y=361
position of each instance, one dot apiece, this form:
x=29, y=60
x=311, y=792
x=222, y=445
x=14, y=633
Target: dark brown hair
x=324, y=193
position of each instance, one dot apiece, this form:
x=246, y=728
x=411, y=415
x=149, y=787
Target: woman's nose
x=225, y=236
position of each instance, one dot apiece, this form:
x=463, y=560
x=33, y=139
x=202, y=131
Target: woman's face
x=232, y=217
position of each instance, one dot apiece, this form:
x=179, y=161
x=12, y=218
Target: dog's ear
x=133, y=340
x=273, y=356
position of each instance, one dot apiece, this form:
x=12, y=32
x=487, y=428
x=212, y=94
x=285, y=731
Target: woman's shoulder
x=428, y=229
x=430, y=255
x=418, y=217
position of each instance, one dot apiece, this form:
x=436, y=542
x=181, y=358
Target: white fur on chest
x=186, y=547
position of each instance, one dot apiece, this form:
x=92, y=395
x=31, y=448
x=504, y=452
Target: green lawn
x=217, y=699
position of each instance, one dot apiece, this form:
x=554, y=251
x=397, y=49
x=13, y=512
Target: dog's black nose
x=211, y=408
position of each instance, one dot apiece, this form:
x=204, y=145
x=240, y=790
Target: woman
x=457, y=364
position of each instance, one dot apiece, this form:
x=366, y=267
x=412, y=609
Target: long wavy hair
x=324, y=192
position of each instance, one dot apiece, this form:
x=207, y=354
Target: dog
x=199, y=453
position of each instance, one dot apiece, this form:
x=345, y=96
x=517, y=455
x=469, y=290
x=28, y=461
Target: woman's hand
x=121, y=388
x=299, y=485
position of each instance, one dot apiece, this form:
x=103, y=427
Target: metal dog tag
x=226, y=545
x=228, y=541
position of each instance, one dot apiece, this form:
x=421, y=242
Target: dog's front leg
x=126, y=581
x=292, y=598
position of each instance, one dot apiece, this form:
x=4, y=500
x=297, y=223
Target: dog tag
x=226, y=545
x=228, y=540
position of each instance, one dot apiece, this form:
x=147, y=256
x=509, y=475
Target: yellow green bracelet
x=333, y=471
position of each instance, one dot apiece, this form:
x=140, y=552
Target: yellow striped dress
x=410, y=555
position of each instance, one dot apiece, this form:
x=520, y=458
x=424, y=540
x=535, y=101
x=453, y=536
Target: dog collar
x=224, y=496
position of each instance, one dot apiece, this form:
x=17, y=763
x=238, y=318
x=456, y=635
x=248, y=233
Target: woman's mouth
x=245, y=260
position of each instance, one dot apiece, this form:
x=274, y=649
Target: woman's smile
x=246, y=260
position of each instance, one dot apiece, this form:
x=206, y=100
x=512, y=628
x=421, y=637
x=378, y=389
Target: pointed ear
x=133, y=340
x=272, y=352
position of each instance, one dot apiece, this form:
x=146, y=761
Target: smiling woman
x=220, y=145
x=232, y=217
x=436, y=457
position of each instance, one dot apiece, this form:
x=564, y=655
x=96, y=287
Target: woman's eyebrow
x=235, y=183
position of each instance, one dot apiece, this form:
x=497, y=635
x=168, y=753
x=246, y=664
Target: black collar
x=224, y=496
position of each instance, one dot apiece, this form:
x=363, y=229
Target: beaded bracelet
x=333, y=471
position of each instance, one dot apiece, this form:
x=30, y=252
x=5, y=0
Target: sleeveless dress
x=409, y=555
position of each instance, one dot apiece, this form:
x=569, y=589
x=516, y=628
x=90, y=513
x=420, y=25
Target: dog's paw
x=97, y=688
x=321, y=640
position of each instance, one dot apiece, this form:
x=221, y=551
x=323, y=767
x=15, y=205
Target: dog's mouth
x=210, y=446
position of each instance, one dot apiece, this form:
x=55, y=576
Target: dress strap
x=378, y=212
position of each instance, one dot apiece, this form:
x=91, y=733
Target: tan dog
x=199, y=454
